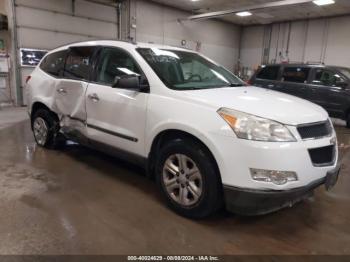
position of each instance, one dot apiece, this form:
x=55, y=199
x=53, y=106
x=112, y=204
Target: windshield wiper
x=235, y=85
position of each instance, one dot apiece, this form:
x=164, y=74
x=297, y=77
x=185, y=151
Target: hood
x=265, y=103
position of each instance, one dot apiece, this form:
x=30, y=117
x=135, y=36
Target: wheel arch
x=40, y=105
x=172, y=134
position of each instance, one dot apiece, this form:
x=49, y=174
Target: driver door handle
x=94, y=97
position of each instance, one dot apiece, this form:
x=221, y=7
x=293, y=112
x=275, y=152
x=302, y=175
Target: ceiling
x=262, y=16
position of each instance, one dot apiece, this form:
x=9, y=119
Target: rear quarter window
x=53, y=64
x=268, y=73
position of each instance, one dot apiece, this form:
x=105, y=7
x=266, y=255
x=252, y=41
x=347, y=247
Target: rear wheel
x=46, y=129
x=188, y=178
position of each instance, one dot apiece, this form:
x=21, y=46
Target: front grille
x=323, y=156
x=316, y=130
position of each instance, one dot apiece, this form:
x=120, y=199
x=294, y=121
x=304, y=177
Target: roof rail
x=306, y=63
x=315, y=62
x=97, y=39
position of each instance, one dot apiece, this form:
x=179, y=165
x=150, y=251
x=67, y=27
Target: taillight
x=249, y=82
x=27, y=79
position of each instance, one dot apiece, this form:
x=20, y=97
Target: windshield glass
x=181, y=70
x=345, y=71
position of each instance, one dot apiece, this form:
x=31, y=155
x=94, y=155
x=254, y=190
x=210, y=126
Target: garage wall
x=2, y=8
x=159, y=24
x=6, y=96
x=51, y=23
x=321, y=40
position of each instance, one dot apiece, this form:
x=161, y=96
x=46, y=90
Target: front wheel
x=188, y=178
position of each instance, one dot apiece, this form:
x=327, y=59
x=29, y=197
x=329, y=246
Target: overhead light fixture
x=324, y=2
x=245, y=13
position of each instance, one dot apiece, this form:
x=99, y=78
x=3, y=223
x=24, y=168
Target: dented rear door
x=71, y=89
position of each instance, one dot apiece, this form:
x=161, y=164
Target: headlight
x=251, y=127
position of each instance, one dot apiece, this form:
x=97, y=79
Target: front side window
x=53, y=64
x=115, y=63
x=182, y=70
x=268, y=73
x=78, y=63
x=296, y=74
x=326, y=78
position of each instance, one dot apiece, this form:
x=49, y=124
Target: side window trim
x=64, y=64
x=96, y=57
x=313, y=76
x=280, y=73
x=309, y=80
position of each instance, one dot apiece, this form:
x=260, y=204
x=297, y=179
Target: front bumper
x=235, y=158
x=252, y=202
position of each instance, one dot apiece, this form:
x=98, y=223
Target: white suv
x=207, y=138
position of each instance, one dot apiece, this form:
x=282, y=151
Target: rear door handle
x=94, y=97
x=61, y=91
x=270, y=86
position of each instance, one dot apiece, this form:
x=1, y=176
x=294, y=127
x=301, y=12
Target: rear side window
x=53, y=64
x=268, y=73
x=78, y=63
x=296, y=74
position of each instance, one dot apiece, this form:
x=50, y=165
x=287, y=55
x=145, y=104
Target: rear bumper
x=251, y=202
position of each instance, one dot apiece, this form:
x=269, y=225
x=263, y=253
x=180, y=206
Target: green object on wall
x=2, y=44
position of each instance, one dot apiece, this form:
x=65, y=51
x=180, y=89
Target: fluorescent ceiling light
x=245, y=13
x=324, y=2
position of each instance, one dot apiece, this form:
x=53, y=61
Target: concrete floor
x=78, y=201
x=12, y=115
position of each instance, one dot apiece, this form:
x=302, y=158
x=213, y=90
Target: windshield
x=181, y=70
x=345, y=71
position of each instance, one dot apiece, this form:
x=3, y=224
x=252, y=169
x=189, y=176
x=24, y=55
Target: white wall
x=159, y=24
x=252, y=46
x=322, y=40
x=2, y=7
x=51, y=23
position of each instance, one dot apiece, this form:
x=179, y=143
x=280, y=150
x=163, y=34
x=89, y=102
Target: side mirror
x=132, y=82
x=342, y=84
x=127, y=82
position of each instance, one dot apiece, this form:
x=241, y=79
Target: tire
x=348, y=121
x=45, y=128
x=202, y=191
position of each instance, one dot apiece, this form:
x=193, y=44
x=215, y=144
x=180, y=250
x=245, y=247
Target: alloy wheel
x=40, y=131
x=182, y=180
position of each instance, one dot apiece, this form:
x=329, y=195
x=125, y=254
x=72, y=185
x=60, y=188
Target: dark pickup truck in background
x=327, y=86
